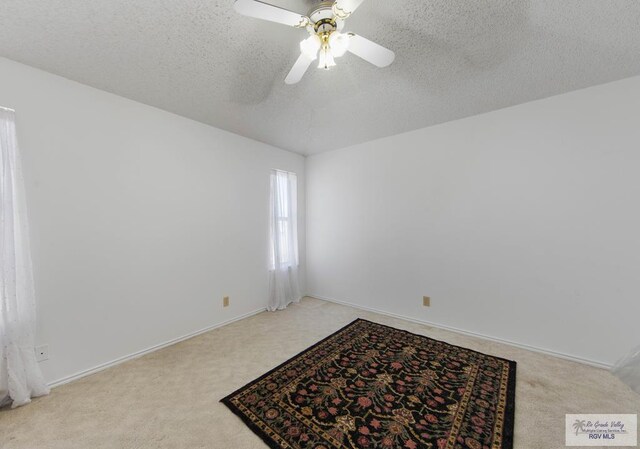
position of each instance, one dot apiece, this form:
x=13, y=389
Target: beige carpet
x=169, y=399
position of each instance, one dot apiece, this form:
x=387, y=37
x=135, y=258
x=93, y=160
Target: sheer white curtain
x=283, y=242
x=20, y=376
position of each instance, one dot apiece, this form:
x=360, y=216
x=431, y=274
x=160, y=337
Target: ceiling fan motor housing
x=322, y=18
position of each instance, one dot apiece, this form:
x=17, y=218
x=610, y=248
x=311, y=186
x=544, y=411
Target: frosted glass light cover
x=326, y=59
x=339, y=43
x=310, y=46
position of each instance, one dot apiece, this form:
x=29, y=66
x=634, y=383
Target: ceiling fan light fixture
x=326, y=41
x=310, y=46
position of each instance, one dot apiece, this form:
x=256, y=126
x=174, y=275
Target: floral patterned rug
x=374, y=386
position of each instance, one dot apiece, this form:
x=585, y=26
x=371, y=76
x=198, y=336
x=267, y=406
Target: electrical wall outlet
x=426, y=301
x=225, y=301
x=42, y=353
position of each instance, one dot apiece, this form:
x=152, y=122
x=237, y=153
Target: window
x=283, y=223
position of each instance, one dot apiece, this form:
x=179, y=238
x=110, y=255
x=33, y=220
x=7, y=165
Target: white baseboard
x=135, y=355
x=561, y=355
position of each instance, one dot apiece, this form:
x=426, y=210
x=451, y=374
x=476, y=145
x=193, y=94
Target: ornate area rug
x=373, y=386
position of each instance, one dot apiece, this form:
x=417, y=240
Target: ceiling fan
x=326, y=40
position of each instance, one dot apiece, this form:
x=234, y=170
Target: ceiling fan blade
x=344, y=8
x=370, y=51
x=298, y=70
x=265, y=11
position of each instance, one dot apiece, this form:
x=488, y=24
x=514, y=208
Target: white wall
x=141, y=221
x=522, y=224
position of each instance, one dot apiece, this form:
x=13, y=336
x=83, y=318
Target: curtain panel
x=20, y=375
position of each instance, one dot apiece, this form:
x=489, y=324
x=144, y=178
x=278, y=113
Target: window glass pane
x=284, y=245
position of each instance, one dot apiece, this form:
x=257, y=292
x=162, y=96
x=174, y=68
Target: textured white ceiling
x=454, y=58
